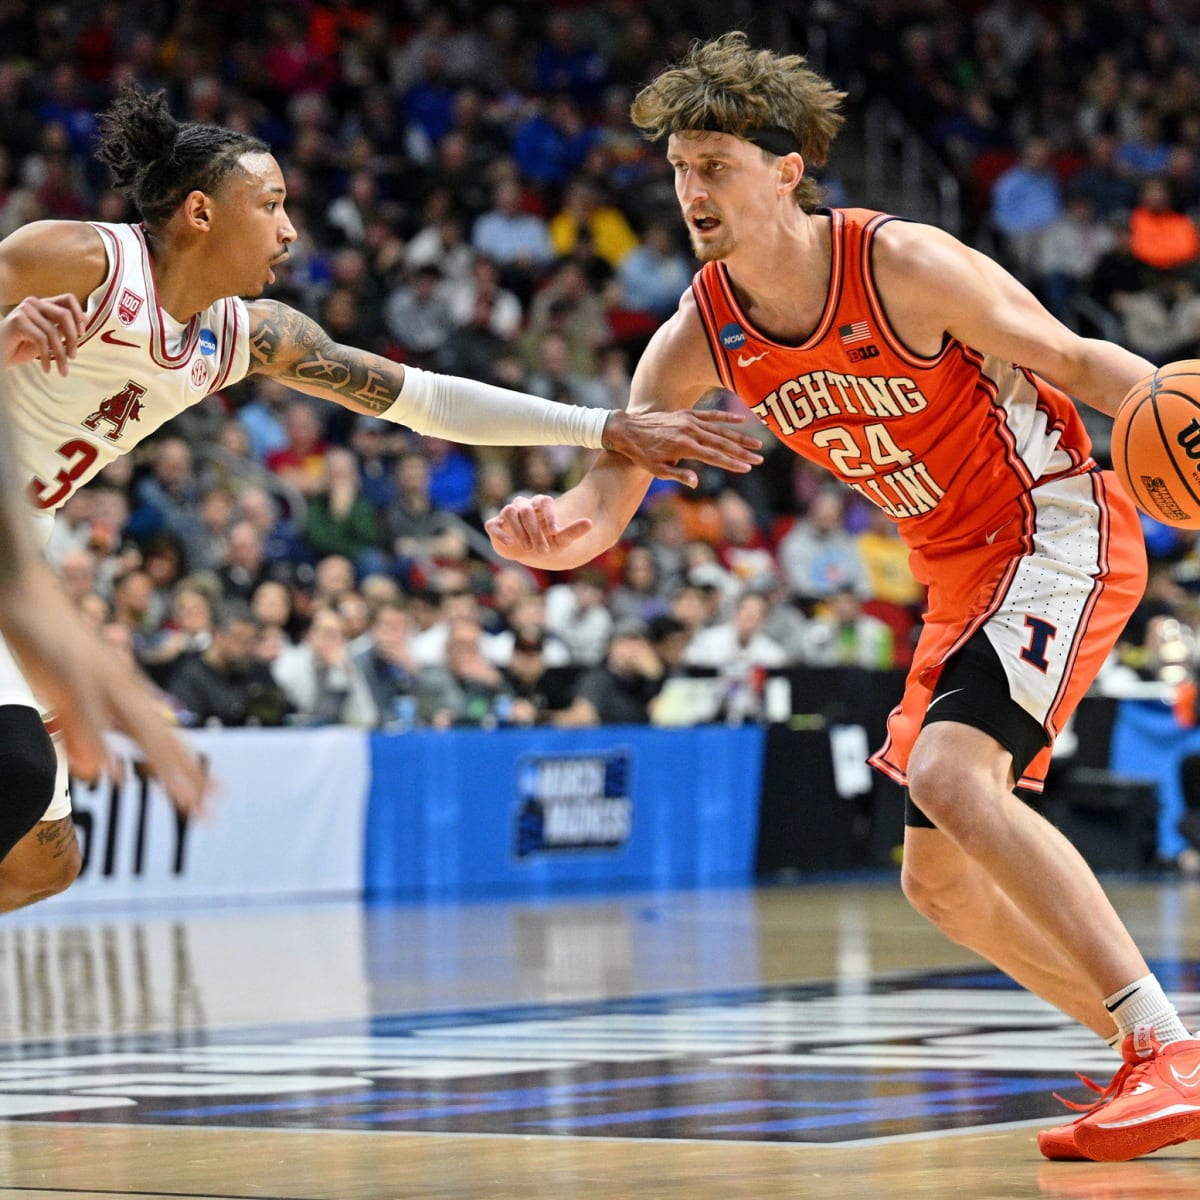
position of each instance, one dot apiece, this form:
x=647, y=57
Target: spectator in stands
x=374, y=443
x=356, y=620
x=186, y=634
x=740, y=643
x=1145, y=151
x=518, y=240
x=551, y=375
x=263, y=416
x=577, y=612
x=418, y=314
x=1161, y=321
x=412, y=520
x=282, y=545
x=441, y=242
x=1069, y=250
x=552, y=142
x=227, y=684
x=818, y=555
x=473, y=689
x=1161, y=236
x=639, y=593
x=271, y=606
x=583, y=208
x=538, y=691
x=245, y=565
x=619, y=690
x=298, y=463
x=473, y=347
x=1102, y=180
x=169, y=496
x=841, y=634
x=206, y=549
x=333, y=578
x=1026, y=200
x=504, y=312
x=564, y=66
x=493, y=487
x=1116, y=271
x=567, y=305
x=321, y=680
x=885, y=559
x=340, y=519
x=392, y=672
x=656, y=273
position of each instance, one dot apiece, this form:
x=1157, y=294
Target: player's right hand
x=46, y=329
x=658, y=441
x=528, y=526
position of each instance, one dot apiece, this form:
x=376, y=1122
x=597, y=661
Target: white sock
x=1143, y=1002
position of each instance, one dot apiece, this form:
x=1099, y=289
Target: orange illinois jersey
x=946, y=446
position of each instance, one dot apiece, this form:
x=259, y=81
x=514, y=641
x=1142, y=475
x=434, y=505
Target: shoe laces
x=1104, y=1094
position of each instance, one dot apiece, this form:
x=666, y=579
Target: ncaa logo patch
x=732, y=336
x=208, y=342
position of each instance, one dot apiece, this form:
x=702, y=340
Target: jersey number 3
x=80, y=455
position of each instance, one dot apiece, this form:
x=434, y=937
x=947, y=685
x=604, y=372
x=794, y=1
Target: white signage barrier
x=288, y=819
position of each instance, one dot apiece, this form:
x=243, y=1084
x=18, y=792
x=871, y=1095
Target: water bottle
x=406, y=713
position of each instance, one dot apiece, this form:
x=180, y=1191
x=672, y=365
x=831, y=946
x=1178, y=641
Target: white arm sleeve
x=478, y=414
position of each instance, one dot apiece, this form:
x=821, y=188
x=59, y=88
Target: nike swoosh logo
x=991, y=537
x=1190, y=1079
x=112, y=339
x=745, y=360
x=952, y=692
x=1121, y=999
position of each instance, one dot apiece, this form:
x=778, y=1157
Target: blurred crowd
x=471, y=197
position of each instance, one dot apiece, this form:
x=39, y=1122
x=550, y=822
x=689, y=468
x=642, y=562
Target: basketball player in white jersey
x=165, y=325
x=89, y=687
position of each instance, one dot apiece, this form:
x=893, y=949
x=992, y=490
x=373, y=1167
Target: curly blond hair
x=726, y=86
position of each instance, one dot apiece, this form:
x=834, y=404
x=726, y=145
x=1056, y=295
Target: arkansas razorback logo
x=118, y=410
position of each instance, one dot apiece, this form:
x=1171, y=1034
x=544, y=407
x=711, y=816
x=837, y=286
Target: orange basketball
x=1156, y=444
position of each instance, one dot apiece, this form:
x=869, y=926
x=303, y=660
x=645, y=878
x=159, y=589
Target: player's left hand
x=91, y=689
x=528, y=525
x=658, y=441
x=42, y=328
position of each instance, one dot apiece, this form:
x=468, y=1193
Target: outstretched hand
x=91, y=689
x=528, y=525
x=46, y=329
x=658, y=441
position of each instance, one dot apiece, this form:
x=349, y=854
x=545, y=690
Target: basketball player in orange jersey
x=931, y=382
x=163, y=326
x=89, y=688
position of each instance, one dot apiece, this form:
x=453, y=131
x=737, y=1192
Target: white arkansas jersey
x=136, y=368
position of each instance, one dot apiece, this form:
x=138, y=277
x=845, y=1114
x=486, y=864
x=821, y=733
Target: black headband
x=772, y=138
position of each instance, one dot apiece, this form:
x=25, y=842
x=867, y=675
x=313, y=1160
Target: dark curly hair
x=156, y=161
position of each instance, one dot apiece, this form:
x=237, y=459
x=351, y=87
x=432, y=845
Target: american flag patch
x=858, y=331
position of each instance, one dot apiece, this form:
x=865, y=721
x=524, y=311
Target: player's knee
x=28, y=767
x=952, y=794
x=945, y=900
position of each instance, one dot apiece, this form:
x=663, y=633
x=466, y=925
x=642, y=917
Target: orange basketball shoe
x=1153, y=1101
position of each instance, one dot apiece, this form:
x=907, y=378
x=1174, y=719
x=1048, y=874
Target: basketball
x=1156, y=444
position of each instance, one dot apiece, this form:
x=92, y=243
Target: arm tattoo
x=294, y=349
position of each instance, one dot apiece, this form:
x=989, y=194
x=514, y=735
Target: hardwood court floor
x=699, y=1045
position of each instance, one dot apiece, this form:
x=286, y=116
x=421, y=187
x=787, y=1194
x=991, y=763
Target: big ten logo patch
x=573, y=802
